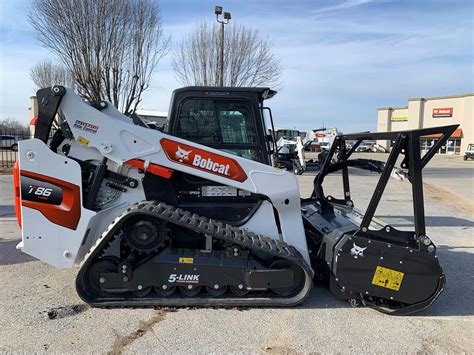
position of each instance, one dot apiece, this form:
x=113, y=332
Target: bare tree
x=11, y=125
x=248, y=58
x=45, y=74
x=111, y=47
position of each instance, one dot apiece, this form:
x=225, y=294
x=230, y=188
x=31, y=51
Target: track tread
x=217, y=229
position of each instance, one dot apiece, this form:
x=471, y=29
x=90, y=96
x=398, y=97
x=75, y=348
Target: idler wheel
x=94, y=275
x=298, y=278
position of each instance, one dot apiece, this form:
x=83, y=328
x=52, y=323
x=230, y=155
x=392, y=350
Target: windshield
x=223, y=124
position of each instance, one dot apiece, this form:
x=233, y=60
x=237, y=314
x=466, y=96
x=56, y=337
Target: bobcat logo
x=357, y=251
x=182, y=154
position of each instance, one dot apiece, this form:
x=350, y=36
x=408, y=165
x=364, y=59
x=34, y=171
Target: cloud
x=342, y=6
x=339, y=69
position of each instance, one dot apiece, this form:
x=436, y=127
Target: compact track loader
x=199, y=217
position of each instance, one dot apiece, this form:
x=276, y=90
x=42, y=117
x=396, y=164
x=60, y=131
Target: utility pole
x=218, y=11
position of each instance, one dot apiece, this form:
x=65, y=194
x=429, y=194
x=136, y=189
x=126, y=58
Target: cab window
x=236, y=122
x=223, y=124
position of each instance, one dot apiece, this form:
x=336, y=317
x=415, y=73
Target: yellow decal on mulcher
x=387, y=278
x=186, y=260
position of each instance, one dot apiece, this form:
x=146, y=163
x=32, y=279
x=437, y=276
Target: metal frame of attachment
x=407, y=143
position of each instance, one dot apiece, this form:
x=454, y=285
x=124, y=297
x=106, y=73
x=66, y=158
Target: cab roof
x=263, y=93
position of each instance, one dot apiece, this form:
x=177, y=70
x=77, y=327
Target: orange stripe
x=16, y=191
x=155, y=169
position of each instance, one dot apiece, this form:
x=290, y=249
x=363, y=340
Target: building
x=33, y=114
x=432, y=112
x=157, y=118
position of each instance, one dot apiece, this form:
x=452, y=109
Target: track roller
x=164, y=290
x=190, y=290
x=239, y=290
x=216, y=290
x=142, y=292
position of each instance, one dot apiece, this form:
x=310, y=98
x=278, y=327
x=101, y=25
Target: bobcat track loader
x=199, y=217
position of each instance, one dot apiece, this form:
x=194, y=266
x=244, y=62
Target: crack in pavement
x=143, y=327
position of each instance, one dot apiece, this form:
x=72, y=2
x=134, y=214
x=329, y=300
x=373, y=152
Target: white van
x=9, y=142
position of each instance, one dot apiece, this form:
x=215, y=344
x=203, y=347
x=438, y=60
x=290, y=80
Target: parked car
x=9, y=142
x=469, y=153
x=365, y=147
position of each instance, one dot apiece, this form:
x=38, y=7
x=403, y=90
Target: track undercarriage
x=138, y=262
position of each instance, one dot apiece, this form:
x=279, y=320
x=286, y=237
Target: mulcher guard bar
x=368, y=262
x=406, y=143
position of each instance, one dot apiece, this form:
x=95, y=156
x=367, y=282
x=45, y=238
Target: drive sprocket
x=145, y=236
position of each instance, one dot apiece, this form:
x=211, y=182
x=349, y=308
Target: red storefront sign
x=443, y=112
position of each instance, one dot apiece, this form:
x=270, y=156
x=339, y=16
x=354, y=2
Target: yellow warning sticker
x=186, y=260
x=387, y=278
x=83, y=140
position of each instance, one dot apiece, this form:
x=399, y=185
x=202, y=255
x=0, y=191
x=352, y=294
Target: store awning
x=456, y=134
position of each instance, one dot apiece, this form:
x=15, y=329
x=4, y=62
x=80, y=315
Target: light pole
x=218, y=11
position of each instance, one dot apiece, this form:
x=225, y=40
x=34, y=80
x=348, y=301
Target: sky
x=341, y=59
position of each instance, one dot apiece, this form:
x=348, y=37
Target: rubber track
x=208, y=227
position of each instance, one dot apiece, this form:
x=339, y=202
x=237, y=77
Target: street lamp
x=218, y=11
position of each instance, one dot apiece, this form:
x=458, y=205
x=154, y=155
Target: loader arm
x=121, y=142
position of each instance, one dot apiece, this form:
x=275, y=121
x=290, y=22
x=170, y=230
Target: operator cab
x=228, y=119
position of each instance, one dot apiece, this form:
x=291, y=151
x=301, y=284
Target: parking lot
x=39, y=308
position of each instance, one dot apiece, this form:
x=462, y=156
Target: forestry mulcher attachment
x=199, y=217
